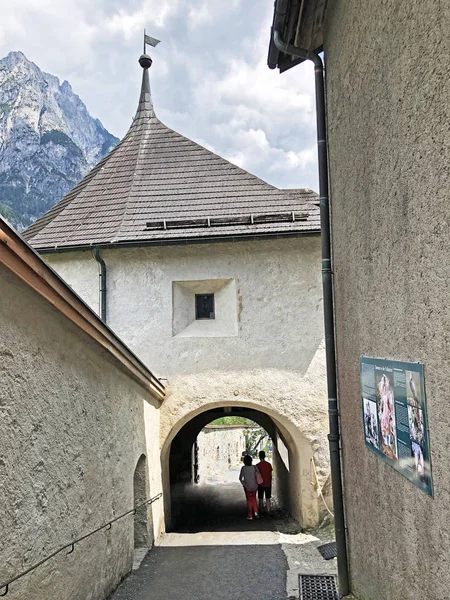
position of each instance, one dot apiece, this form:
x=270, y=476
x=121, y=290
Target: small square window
x=204, y=306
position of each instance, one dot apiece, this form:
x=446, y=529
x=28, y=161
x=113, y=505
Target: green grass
x=232, y=421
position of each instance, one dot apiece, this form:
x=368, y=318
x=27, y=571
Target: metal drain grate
x=318, y=587
x=328, y=551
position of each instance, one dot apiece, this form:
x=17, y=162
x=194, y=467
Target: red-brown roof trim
x=21, y=260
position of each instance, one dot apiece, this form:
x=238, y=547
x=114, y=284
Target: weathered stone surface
x=48, y=140
x=219, y=449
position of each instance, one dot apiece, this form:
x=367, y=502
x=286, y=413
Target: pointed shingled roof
x=157, y=186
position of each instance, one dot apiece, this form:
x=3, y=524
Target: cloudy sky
x=209, y=77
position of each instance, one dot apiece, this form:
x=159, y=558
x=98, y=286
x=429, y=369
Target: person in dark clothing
x=264, y=489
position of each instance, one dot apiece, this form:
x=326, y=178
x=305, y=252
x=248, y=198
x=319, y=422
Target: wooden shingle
x=155, y=175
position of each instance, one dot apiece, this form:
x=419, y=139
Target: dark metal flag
x=151, y=41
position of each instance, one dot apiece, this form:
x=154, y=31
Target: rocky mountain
x=48, y=140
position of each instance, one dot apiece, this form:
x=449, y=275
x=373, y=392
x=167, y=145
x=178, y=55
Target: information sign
x=394, y=414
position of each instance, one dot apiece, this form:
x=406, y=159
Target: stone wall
x=297, y=409
x=74, y=425
x=388, y=85
x=219, y=449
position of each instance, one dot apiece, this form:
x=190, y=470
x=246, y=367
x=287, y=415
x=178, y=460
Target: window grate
x=318, y=587
x=230, y=221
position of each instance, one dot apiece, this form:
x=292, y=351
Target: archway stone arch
x=295, y=403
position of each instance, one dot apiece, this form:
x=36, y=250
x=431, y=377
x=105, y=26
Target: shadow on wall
x=281, y=474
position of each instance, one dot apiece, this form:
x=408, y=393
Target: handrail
x=5, y=586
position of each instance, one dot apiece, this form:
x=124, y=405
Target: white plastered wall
x=72, y=433
x=278, y=302
x=274, y=360
x=219, y=450
x=225, y=321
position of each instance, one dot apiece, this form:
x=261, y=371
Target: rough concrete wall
x=152, y=434
x=219, y=450
x=72, y=432
x=388, y=84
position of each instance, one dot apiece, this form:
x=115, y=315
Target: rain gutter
x=327, y=281
x=102, y=283
x=177, y=242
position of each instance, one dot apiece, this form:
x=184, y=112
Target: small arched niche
x=141, y=536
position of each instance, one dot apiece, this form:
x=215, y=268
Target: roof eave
x=176, y=241
x=300, y=24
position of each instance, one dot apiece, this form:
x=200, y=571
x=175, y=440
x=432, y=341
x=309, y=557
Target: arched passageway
x=294, y=487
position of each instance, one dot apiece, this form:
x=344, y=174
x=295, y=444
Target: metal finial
x=145, y=61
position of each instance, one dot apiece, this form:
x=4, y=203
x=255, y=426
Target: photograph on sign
x=371, y=423
x=394, y=417
x=386, y=410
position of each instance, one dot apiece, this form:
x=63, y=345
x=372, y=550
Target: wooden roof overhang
x=300, y=24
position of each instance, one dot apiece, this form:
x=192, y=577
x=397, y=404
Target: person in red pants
x=247, y=477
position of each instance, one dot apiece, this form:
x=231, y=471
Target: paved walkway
x=216, y=554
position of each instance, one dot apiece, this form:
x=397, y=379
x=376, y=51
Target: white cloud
x=276, y=164
x=209, y=79
x=256, y=87
x=200, y=14
x=130, y=23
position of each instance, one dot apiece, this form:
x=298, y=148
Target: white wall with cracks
x=219, y=449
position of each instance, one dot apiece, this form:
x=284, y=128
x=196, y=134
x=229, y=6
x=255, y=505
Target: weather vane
x=150, y=41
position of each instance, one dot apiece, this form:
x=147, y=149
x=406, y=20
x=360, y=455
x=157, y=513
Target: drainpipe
x=327, y=282
x=102, y=283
